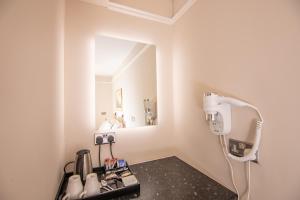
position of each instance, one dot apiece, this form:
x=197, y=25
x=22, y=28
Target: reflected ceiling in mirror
x=125, y=84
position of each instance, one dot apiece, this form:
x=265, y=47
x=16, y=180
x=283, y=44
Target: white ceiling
x=110, y=54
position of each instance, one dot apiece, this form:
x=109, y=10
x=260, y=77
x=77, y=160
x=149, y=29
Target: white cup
x=91, y=186
x=74, y=188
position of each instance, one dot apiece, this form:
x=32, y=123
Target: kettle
x=83, y=164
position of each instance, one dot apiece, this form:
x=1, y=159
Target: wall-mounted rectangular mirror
x=125, y=84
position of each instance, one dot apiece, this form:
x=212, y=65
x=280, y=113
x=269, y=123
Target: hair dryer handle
x=234, y=102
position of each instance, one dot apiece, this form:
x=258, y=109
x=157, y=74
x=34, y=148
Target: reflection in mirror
x=125, y=84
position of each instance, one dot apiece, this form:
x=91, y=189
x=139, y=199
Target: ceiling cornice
x=143, y=14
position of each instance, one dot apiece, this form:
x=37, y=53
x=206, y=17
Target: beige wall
x=31, y=102
x=249, y=50
x=83, y=21
x=138, y=82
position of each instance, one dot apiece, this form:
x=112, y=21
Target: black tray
x=123, y=190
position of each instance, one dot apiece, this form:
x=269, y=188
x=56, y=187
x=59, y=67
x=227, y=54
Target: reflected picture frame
x=119, y=99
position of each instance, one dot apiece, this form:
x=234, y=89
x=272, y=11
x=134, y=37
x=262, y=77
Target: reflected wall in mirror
x=125, y=84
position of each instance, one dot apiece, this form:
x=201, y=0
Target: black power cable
x=99, y=156
x=111, y=153
x=99, y=141
x=110, y=139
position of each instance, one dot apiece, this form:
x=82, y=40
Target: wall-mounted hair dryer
x=218, y=114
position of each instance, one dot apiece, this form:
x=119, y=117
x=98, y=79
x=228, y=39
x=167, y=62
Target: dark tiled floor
x=172, y=179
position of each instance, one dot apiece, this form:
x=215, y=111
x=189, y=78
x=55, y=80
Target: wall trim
x=143, y=14
x=138, y=13
x=183, y=10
